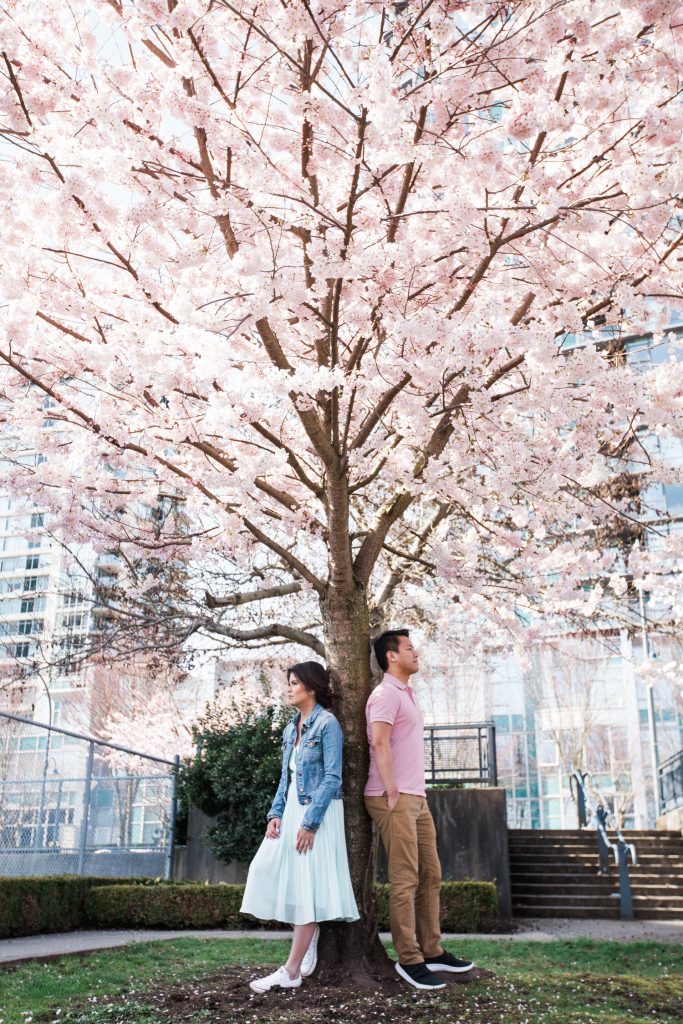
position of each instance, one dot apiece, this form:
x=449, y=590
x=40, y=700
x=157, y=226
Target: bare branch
x=409, y=31
x=247, y=597
x=275, y=629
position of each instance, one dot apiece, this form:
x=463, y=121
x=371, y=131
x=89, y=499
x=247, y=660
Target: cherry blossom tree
x=347, y=284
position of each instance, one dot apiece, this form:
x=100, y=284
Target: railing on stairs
x=592, y=807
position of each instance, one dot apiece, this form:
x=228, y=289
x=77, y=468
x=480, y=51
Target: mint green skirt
x=298, y=888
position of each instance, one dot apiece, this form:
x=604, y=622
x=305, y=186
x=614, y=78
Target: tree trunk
x=353, y=948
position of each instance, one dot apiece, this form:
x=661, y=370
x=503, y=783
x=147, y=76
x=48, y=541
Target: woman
x=300, y=873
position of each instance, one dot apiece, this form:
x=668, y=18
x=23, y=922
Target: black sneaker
x=447, y=962
x=418, y=976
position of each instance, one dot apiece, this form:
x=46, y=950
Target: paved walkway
x=43, y=947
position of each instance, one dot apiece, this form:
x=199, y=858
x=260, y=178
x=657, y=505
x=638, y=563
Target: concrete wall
x=195, y=860
x=672, y=821
x=472, y=838
x=103, y=863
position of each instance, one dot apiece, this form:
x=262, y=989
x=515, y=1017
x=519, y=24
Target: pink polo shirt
x=394, y=702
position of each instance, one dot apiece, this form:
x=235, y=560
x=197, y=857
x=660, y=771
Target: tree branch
x=308, y=417
x=373, y=418
x=408, y=179
x=291, y=560
x=295, y=636
x=413, y=555
x=247, y=596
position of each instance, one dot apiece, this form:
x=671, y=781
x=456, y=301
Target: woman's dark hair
x=316, y=679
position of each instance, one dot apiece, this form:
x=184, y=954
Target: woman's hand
x=273, y=830
x=304, y=840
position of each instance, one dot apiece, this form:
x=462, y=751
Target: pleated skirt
x=298, y=888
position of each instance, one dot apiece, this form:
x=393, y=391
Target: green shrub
x=465, y=907
x=30, y=906
x=189, y=905
x=234, y=776
x=469, y=906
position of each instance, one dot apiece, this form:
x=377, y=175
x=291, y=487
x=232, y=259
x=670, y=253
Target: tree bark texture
x=346, y=632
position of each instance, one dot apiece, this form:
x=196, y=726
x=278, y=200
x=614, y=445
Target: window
x=27, y=605
x=673, y=495
x=32, y=743
x=10, y=564
x=28, y=626
x=30, y=582
x=551, y=785
x=552, y=813
x=32, y=562
x=37, y=520
x=33, y=544
x=547, y=749
x=72, y=620
x=21, y=650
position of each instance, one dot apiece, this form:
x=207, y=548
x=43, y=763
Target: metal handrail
x=600, y=815
x=610, y=818
x=621, y=849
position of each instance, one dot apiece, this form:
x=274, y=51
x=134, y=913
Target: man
x=395, y=799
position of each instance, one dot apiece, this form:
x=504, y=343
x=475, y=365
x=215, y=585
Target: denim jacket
x=318, y=766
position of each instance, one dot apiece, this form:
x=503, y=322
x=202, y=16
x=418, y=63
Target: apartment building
x=44, y=618
x=598, y=701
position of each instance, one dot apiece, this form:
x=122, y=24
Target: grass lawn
x=190, y=980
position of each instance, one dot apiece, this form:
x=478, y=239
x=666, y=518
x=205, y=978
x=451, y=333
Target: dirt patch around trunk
x=227, y=999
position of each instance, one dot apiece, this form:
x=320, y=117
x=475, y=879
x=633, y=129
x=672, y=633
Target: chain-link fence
x=70, y=804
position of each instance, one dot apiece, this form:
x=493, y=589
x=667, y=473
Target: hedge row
x=33, y=906
x=465, y=907
x=30, y=906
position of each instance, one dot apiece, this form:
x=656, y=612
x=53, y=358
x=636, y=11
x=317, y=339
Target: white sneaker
x=278, y=979
x=310, y=960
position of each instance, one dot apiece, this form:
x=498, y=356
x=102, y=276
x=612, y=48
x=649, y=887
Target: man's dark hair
x=388, y=641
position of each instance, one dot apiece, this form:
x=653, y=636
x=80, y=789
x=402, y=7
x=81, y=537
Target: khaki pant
x=409, y=839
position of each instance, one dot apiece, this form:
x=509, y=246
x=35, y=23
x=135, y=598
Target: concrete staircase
x=554, y=873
